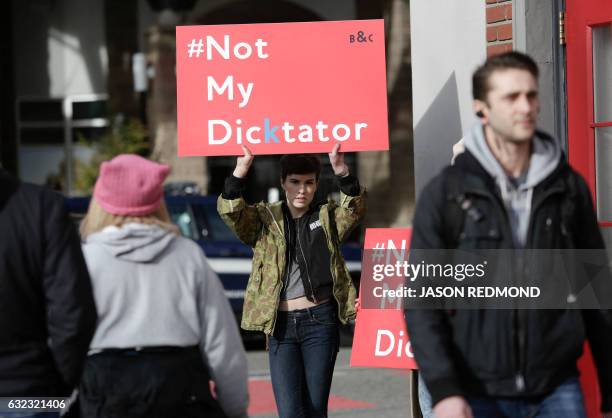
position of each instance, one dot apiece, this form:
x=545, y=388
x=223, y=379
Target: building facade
x=78, y=64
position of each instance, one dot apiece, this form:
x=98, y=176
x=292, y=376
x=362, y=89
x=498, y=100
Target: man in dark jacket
x=505, y=362
x=47, y=311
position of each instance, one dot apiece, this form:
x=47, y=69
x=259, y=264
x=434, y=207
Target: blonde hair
x=97, y=219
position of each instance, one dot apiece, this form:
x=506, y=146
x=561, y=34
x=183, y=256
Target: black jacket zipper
x=298, y=233
x=518, y=328
x=519, y=318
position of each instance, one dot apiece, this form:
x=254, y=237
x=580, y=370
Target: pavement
x=356, y=392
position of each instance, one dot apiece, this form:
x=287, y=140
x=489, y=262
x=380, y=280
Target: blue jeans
x=424, y=399
x=566, y=401
x=302, y=354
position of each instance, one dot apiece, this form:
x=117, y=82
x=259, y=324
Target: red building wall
x=499, y=26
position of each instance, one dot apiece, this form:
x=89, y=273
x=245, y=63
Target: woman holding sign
x=299, y=290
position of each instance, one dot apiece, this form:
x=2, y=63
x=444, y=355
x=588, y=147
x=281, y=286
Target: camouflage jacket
x=261, y=226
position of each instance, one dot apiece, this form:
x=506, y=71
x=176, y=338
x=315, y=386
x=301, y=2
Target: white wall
x=448, y=43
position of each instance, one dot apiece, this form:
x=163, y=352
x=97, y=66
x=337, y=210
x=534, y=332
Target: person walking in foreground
x=165, y=327
x=299, y=290
x=47, y=313
x=508, y=363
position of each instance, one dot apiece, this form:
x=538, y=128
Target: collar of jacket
x=311, y=209
x=273, y=214
x=477, y=178
x=275, y=218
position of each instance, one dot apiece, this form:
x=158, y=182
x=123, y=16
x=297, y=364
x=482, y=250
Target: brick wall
x=499, y=26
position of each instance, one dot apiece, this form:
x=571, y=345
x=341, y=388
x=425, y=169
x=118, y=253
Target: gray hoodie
x=516, y=193
x=153, y=288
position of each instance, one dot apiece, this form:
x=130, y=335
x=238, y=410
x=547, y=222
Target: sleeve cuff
x=349, y=185
x=442, y=389
x=232, y=189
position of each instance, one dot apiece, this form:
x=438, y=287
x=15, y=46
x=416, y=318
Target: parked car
x=197, y=218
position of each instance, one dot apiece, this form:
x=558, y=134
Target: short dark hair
x=300, y=164
x=506, y=61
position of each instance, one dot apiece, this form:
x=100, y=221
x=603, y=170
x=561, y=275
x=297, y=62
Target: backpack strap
x=457, y=206
x=453, y=216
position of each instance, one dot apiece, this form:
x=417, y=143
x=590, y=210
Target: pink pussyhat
x=130, y=185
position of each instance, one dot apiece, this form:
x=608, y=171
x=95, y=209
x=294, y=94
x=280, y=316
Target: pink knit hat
x=130, y=185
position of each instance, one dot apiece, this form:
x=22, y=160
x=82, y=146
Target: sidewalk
x=356, y=392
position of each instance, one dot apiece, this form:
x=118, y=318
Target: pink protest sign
x=281, y=88
x=381, y=339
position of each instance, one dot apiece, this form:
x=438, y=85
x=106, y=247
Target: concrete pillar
x=162, y=110
x=389, y=176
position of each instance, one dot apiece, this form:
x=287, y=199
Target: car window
x=196, y=220
x=212, y=226
x=182, y=217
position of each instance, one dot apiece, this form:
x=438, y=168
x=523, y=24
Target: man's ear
x=282, y=184
x=480, y=109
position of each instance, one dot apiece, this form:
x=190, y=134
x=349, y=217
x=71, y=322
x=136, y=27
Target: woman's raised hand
x=336, y=159
x=243, y=164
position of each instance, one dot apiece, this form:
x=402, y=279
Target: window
x=48, y=131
